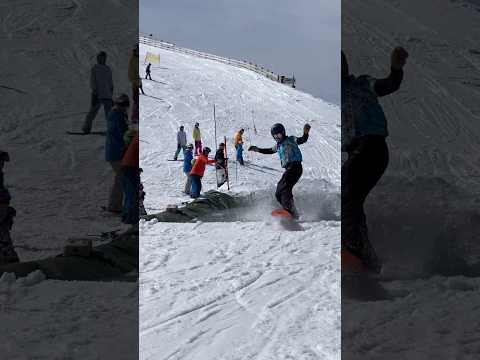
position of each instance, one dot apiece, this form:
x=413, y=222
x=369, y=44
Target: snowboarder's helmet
x=101, y=56
x=197, y=124
x=221, y=145
x=206, y=151
x=278, y=132
x=181, y=128
x=122, y=100
x=190, y=146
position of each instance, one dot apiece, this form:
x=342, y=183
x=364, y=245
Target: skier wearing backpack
x=290, y=159
x=198, y=171
x=364, y=129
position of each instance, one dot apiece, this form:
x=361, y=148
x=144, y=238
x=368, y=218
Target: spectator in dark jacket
x=115, y=148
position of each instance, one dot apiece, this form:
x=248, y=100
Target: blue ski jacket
x=187, y=161
x=116, y=128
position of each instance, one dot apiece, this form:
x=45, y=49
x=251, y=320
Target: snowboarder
x=197, y=139
x=181, y=142
x=115, y=147
x=133, y=77
x=238, y=142
x=187, y=167
x=221, y=165
x=198, y=170
x=101, y=85
x=131, y=182
x=148, y=75
x=290, y=159
x=364, y=129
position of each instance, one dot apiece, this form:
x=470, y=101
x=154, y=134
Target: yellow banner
x=152, y=58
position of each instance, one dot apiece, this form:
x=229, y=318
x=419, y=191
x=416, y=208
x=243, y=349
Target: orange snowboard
x=281, y=213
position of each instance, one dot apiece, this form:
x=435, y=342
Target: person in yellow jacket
x=134, y=77
x=238, y=141
x=197, y=138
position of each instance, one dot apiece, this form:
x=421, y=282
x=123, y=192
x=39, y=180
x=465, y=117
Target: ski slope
x=58, y=182
x=239, y=287
x=425, y=208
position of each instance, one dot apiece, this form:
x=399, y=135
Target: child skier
x=290, y=159
x=187, y=167
x=221, y=165
x=198, y=170
x=238, y=142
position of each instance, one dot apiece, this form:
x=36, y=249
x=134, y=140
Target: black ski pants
x=290, y=177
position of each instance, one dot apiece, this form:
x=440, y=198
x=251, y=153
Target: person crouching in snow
x=198, y=170
x=290, y=159
x=221, y=164
x=187, y=167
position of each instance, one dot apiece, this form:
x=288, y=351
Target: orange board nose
x=281, y=213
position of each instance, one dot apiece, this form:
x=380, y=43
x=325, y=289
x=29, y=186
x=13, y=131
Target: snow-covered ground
x=237, y=289
x=59, y=182
x=423, y=215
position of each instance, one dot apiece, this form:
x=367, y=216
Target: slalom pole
x=215, y=131
x=254, y=128
x=226, y=162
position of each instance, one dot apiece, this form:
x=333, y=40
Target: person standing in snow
x=8, y=254
x=197, y=139
x=181, y=142
x=114, y=149
x=131, y=182
x=198, y=170
x=134, y=77
x=140, y=86
x=221, y=165
x=365, y=127
x=148, y=75
x=187, y=167
x=290, y=159
x=101, y=85
x=238, y=142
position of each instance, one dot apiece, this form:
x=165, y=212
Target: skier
x=291, y=161
x=187, y=166
x=131, y=182
x=197, y=139
x=148, y=71
x=101, y=85
x=133, y=77
x=364, y=129
x=115, y=147
x=238, y=142
x=140, y=86
x=221, y=165
x=181, y=142
x=198, y=170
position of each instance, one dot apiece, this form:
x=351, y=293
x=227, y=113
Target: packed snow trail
x=183, y=92
x=239, y=290
x=237, y=287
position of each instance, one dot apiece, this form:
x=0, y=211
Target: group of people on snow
x=122, y=140
x=196, y=159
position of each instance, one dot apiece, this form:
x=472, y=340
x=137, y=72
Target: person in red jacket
x=131, y=182
x=198, y=170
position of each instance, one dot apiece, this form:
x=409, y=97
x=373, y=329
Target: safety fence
x=148, y=40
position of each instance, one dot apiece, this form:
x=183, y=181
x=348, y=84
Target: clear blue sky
x=285, y=36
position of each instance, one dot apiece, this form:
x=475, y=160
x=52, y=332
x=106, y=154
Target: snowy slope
x=426, y=205
x=57, y=182
x=184, y=91
x=239, y=288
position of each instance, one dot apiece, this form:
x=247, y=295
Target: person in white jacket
x=101, y=85
x=181, y=142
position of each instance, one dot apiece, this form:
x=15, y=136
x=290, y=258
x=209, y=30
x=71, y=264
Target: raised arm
x=392, y=83
x=303, y=139
x=267, y=151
